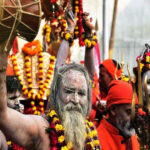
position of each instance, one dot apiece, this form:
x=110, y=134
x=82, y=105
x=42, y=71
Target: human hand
x=71, y=19
x=87, y=23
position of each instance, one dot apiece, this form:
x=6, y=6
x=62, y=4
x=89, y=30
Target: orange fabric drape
x=111, y=140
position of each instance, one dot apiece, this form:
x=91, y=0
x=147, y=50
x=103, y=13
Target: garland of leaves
x=57, y=138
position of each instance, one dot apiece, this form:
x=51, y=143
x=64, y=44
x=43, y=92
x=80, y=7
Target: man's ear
x=113, y=110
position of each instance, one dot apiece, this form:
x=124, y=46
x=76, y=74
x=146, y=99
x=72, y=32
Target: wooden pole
x=105, y=39
x=140, y=95
x=111, y=41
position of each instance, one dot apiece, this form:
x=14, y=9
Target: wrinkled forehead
x=74, y=77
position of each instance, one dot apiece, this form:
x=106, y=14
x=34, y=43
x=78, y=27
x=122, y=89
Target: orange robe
x=111, y=140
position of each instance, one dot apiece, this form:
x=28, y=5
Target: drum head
x=21, y=17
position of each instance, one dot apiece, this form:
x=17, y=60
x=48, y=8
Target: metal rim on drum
x=18, y=18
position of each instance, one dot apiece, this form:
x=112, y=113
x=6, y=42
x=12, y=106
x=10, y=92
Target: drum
x=21, y=17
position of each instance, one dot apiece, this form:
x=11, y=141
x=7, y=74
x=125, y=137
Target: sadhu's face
x=104, y=79
x=72, y=101
x=123, y=113
x=73, y=89
x=123, y=120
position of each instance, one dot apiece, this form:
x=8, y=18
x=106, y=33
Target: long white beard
x=74, y=124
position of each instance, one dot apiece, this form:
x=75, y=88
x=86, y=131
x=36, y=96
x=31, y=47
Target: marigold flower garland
x=145, y=57
x=68, y=37
x=57, y=138
x=63, y=24
x=78, y=9
x=91, y=41
x=32, y=48
x=43, y=85
x=47, y=32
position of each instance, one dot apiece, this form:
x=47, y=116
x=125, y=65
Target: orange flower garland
x=43, y=86
x=32, y=48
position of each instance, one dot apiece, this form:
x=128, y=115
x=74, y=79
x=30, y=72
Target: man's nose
x=75, y=98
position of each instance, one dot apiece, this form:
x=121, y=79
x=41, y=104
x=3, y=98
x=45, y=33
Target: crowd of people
x=66, y=124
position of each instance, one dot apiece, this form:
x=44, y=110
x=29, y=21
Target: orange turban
x=120, y=92
x=111, y=68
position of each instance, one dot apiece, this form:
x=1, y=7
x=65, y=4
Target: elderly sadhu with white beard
x=65, y=126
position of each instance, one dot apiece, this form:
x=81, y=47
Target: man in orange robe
x=115, y=132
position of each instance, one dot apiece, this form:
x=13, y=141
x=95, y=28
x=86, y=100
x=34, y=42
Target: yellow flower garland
x=47, y=31
x=89, y=42
x=56, y=126
x=68, y=37
x=42, y=85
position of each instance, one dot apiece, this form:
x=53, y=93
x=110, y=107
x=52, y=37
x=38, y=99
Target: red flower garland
x=78, y=8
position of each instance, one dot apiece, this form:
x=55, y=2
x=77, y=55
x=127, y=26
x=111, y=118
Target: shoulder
x=37, y=132
x=40, y=122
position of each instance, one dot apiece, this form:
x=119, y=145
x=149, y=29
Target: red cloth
x=111, y=68
x=15, y=48
x=111, y=140
x=120, y=92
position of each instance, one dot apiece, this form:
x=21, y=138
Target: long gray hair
x=58, y=78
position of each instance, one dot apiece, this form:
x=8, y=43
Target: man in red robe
x=115, y=132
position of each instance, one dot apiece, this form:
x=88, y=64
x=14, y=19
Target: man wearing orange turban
x=115, y=132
